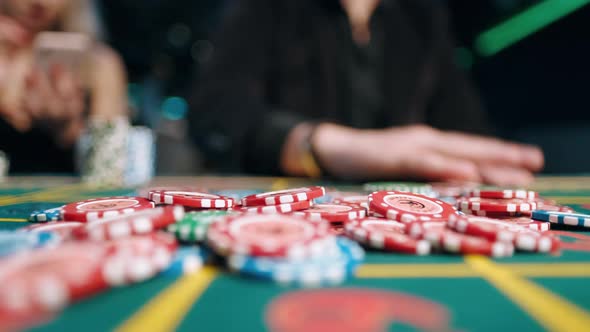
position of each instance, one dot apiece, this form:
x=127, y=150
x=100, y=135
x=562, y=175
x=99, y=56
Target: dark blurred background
x=529, y=58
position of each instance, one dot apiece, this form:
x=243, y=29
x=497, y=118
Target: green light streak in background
x=523, y=24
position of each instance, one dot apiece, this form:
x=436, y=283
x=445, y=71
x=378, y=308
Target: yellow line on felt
x=547, y=308
x=12, y=220
x=414, y=271
x=550, y=269
x=40, y=195
x=376, y=271
x=165, y=311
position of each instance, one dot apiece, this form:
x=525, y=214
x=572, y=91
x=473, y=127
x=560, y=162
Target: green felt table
x=390, y=292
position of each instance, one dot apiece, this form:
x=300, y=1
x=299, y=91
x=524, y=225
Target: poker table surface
x=390, y=292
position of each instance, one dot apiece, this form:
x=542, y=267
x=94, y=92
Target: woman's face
x=35, y=15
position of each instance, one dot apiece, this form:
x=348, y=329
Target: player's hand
x=54, y=99
x=422, y=152
x=12, y=34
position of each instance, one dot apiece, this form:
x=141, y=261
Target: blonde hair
x=82, y=16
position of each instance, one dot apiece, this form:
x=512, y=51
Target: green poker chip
x=193, y=227
x=411, y=187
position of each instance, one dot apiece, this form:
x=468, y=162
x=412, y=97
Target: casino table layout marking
x=549, y=309
x=165, y=311
x=377, y=271
x=181, y=295
x=42, y=195
x=13, y=220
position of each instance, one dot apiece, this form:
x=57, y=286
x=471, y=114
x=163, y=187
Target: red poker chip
x=350, y=197
x=333, y=212
x=417, y=229
x=552, y=206
x=62, y=228
x=407, y=207
x=145, y=192
x=50, y=279
x=191, y=199
x=106, y=207
x=497, y=215
x=385, y=234
x=284, y=196
x=539, y=226
x=337, y=228
x=138, y=223
x=521, y=237
x=458, y=243
x=495, y=205
x=273, y=209
x=504, y=193
x=138, y=258
x=276, y=235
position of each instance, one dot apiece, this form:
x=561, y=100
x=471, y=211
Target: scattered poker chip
x=497, y=193
x=406, y=187
x=349, y=197
x=138, y=223
x=40, y=216
x=408, y=207
x=279, y=208
x=523, y=238
x=48, y=280
x=193, y=227
x=98, y=208
x=337, y=228
x=63, y=229
x=563, y=218
x=338, y=263
x=333, y=212
x=284, y=196
x=539, y=226
x=418, y=229
x=277, y=235
x=137, y=258
x=385, y=234
x=547, y=205
x=494, y=214
x=458, y=243
x=191, y=199
x=187, y=260
x=236, y=194
x=15, y=242
x=145, y=191
x=496, y=205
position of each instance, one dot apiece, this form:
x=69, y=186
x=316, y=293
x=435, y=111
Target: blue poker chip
x=332, y=268
x=14, y=242
x=46, y=215
x=187, y=260
x=563, y=218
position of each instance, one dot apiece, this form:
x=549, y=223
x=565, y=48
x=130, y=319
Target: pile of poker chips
x=282, y=236
x=115, y=153
x=4, y=166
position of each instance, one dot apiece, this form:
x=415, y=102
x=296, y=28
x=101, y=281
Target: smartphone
x=68, y=49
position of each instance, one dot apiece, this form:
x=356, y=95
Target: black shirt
x=278, y=63
x=361, y=68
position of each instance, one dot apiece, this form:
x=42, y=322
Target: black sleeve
x=455, y=104
x=232, y=118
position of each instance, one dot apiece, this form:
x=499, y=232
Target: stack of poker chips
x=4, y=166
x=113, y=153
